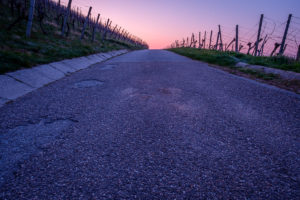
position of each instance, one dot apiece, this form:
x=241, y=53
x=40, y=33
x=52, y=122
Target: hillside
x=46, y=43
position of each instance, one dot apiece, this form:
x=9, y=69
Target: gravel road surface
x=151, y=125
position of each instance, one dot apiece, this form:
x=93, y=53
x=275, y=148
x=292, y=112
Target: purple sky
x=160, y=22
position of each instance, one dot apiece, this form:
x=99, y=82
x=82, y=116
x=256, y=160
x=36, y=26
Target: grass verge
x=231, y=58
x=226, y=61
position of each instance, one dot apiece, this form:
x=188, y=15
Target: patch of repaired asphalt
x=108, y=67
x=87, y=84
x=2, y=101
x=19, y=143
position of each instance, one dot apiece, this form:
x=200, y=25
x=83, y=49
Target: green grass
x=209, y=56
x=17, y=52
x=231, y=58
x=279, y=62
x=258, y=74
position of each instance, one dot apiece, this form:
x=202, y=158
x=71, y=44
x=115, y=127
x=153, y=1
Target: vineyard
x=268, y=37
x=42, y=31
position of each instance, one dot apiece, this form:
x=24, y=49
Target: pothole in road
x=88, y=83
x=108, y=67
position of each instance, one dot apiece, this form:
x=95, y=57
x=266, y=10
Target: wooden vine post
x=85, y=23
x=107, y=26
x=204, y=41
x=258, y=34
x=217, y=42
x=298, y=54
x=282, y=47
x=66, y=18
x=237, y=38
x=211, y=32
x=30, y=18
x=200, y=40
x=95, y=27
x=221, y=41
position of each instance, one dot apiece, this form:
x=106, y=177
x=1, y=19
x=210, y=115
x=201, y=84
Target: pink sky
x=160, y=22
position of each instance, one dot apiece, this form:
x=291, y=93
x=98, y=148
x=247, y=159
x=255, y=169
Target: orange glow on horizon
x=161, y=22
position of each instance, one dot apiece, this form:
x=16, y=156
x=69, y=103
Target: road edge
x=285, y=80
x=19, y=83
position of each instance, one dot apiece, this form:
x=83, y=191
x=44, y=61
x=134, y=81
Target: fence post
x=95, y=27
x=285, y=34
x=113, y=32
x=217, y=43
x=107, y=26
x=118, y=33
x=204, y=41
x=30, y=18
x=210, y=39
x=199, y=40
x=221, y=41
x=258, y=34
x=66, y=18
x=85, y=23
x=237, y=38
x=187, y=42
x=193, y=41
x=298, y=54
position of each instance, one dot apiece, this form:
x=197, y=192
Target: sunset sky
x=160, y=22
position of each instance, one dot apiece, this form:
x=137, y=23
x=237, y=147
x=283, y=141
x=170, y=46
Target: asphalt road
x=151, y=125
